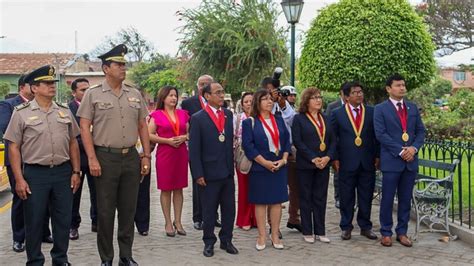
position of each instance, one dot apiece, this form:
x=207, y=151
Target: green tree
x=366, y=40
x=140, y=72
x=236, y=43
x=4, y=88
x=160, y=79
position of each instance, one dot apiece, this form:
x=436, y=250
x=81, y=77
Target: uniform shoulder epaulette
x=22, y=106
x=95, y=86
x=129, y=85
x=62, y=105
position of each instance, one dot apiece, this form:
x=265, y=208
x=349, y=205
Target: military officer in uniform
x=42, y=136
x=117, y=112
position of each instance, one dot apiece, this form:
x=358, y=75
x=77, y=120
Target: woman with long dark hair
x=266, y=142
x=169, y=128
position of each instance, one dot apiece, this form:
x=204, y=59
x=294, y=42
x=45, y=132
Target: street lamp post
x=292, y=10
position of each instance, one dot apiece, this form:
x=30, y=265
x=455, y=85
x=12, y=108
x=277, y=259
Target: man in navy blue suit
x=79, y=87
x=17, y=217
x=357, y=157
x=193, y=105
x=401, y=133
x=212, y=165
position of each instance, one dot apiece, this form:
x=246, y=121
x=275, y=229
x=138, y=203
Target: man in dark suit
x=193, y=105
x=356, y=159
x=212, y=165
x=331, y=107
x=17, y=216
x=79, y=87
x=401, y=133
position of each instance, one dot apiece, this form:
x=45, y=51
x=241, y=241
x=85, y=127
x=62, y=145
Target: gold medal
x=221, y=138
x=322, y=146
x=405, y=137
x=358, y=141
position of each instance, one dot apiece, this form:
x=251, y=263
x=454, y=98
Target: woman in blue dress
x=266, y=141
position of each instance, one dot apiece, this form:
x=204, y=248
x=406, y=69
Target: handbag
x=241, y=161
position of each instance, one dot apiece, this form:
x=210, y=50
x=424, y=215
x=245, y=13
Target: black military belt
x=46, y=166
x=114, y=150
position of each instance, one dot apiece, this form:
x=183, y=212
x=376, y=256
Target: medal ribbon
x=357, y=123
x=174, y=125
x=274, y=134
x=219, y=122
x=321, y=128
x=201, y=101
x=403, y=116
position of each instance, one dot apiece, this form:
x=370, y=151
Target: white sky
x=49, y=26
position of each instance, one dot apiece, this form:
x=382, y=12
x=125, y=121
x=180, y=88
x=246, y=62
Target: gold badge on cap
x=51, y=71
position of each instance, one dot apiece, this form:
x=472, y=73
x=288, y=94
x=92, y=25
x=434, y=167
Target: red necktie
x=357, y=118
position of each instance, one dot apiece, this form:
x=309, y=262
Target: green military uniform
x=115, y=119
x=44, y=138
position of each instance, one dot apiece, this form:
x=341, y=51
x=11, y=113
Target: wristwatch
x=147, y=156
x=76, y=172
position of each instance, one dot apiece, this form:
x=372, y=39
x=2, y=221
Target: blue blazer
x=349, y=155
x=208, y=157
x=192, y=105
x=306, y=141
x=255, y=142
x=6, y=111
x=388, y=131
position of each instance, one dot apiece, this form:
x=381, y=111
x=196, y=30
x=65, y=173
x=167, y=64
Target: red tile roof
x=23, y=63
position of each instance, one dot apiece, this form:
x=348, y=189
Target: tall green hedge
x=366, y=40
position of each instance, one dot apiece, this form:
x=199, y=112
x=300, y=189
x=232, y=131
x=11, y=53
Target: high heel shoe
x=260, y=247
x=170, y=234
x=180, y=232
x=277, y=246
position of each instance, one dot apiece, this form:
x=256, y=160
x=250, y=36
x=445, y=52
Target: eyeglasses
x=357, y=92
x=316, y=97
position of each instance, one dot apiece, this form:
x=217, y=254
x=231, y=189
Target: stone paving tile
x=157, y=249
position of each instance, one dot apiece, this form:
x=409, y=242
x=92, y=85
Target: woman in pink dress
x=169, y=128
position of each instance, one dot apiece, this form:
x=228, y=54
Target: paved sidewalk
x=157, y=249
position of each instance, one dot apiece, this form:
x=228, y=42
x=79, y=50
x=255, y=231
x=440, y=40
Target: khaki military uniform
x=115, y=120
x=43, y=138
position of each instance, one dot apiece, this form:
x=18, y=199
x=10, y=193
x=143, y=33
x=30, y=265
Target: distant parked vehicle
x=4, y=184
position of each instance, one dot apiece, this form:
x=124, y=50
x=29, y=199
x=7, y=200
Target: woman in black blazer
x=316, y=145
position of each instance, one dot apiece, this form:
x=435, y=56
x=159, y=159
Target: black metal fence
x=448, y=151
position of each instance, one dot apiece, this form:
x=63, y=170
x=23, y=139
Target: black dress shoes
x=197, y=225
x=337, y=204
x=295, y=226
x=144, y=233
x=127, y=262
x=73, y=234
x=106, y=263
x=218, y=223
x=62, y=264
x=48, y=239
x=229, y=248
x=369, y=234
x=346, y=234
x=208, y=251
x=18, y=246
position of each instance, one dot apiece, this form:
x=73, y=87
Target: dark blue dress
x=265, y=187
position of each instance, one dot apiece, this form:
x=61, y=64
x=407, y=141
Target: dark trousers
x=76, y=216
x=142, y=214
x=336, y=185
x=50, y=187
x=117, y=189
x=402, y=183
x=363, y=182
x=17, y=215
x=293, y=194
x=313, y=198
x=197, y=206
x=215, y=193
